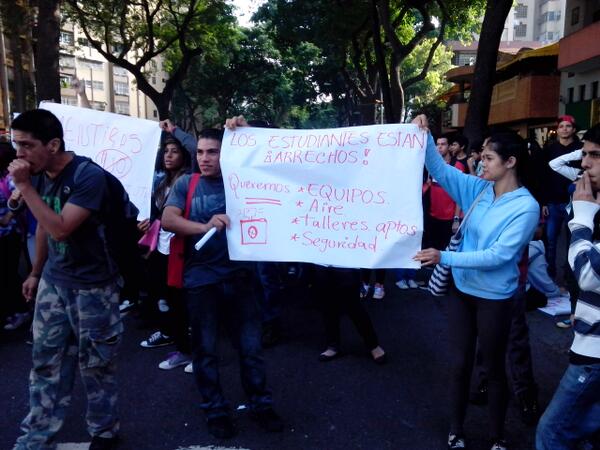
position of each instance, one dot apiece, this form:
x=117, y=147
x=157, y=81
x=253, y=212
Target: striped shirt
x=584, y=259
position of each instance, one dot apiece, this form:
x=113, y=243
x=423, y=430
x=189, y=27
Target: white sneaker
x=126, y=307
x=189, y=368
x=413, y=284
x=378, y=293
x=402, y=284
x=163, y=306
x=364, y=290
x=175, y=360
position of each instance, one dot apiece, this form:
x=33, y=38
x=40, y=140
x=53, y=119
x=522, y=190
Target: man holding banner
x=212, y=282
x=76, y=320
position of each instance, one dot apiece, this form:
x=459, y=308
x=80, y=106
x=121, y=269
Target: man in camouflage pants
x=76, y=320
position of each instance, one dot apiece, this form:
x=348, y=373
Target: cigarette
x=205, y=238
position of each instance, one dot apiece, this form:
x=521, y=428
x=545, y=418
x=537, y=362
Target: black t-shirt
x=82, y=260
x=554, y=188
x=211, y=264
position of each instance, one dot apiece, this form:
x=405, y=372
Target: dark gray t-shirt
x=211, y=264
x=81, y=261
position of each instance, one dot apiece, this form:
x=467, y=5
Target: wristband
x=12, y=208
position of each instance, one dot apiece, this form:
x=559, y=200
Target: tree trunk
x=397, y=104
x=485, y=68
x=47, y=51
x=382, y=67
x=18, y=78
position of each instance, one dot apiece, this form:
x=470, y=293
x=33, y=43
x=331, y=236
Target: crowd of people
x=503, y=202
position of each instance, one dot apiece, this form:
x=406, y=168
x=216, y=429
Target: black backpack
x=119, y=217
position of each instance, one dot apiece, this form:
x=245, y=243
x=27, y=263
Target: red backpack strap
x=190, y=194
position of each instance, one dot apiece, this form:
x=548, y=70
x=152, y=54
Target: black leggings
x=175, y=322
x=470, y=318
x=365, y=275
x=338, y=290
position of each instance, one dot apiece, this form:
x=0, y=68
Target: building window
x=66, y=38
x=89, y=64
x=155, y=113
x=66, y=61
x=83, y=42
x=582, y=92
x=67, y=100
x=521, y=30
x=153, y=80
x=99, y=106
x=550, y=16
x=116, y=48
x=575, y=16
x=65, y=82
x=521, y=11
x=119, y=71
x=121, y=88
x=595, y=89
x=122, y=108
x=571, y=94
x=95, y=85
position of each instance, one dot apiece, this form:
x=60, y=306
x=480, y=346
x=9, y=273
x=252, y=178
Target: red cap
x=567, y=118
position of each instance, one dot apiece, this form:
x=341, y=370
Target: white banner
x=123, y=145
x=349, y=197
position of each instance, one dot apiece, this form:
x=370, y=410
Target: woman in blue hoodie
x=485, y=269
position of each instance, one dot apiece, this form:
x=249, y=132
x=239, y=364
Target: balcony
x=525, y=98
x=578, y=53
x=519, y=99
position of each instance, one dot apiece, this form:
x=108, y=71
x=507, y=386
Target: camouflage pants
x=71, y=328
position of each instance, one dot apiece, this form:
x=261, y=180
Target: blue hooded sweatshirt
x=494, y=236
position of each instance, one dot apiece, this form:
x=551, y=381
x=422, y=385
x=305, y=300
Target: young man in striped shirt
x=574, y=412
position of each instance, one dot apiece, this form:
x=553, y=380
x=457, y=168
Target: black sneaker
x=268, y=420
x=221, y=427
x=456, y=441
x=100, y=443
x=157, y=340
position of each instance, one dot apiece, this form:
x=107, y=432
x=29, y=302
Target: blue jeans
x=557, y=214
x=235, y=298
x=574, y=412
x=272, y=290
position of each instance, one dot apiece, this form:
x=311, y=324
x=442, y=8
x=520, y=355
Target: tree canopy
x=130, y=33
x=366, y=45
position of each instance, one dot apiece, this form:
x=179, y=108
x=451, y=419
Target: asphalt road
x=348, y=403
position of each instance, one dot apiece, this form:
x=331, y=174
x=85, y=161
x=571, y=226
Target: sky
x=244, y=10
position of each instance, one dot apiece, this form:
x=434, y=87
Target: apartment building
x=550, y=21
x=530, y=24
x=579, y=63
x=108, y=87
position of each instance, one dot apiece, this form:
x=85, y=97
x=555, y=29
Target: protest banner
x=349, y=197
x=123, y=145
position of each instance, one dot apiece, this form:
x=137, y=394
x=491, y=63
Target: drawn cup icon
x=254, y=231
